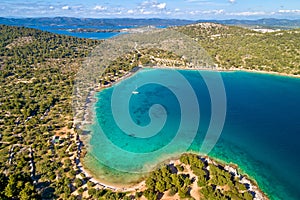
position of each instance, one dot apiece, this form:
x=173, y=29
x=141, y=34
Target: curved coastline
x=140, y=184
x=231, y=70
x=133, y=187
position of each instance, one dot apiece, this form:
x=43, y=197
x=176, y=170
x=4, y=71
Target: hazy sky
x=185, y=9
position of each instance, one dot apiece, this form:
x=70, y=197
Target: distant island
x=123, y=30
x=94, y=30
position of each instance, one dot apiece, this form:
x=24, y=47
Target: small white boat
x=135, y=92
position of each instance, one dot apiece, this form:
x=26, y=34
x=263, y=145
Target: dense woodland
x=213, y=181
x=235, y=47
x=38, y=144
x=36, y=82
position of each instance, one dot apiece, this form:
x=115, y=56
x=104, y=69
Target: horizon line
x=146, y=18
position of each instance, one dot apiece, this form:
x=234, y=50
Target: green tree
x=11, y=188
x=28, y=193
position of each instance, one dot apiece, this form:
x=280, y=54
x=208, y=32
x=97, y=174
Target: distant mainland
x=71, y=21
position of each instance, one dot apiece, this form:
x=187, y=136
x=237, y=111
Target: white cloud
x=207, y=12
x=153, y=5
x=248, y=13
x=66, y=7
x=194, y=12
x=100, y=8
x=161, y=5
x=150, y=7
x=289, y=11
x=130, y=11
x=216, y=12
x=51, y=7
x=231, y=1
x=145, y=12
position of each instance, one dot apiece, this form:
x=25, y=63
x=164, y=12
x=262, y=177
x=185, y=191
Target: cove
x=261, y=130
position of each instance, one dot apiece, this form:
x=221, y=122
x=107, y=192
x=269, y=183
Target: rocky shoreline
x=244, y=179
x=250, y=184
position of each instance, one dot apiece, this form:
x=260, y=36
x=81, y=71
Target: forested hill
x=267, y=22
x=235, y=47
x=36, y=80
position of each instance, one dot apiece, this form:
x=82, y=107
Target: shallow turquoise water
x=260, y=134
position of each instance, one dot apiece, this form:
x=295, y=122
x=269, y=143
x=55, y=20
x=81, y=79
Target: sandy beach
x=217, y=69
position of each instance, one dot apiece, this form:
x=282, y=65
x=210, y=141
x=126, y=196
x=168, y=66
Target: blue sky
x=183, y=9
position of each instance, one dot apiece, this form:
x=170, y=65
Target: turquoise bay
x=260, y=134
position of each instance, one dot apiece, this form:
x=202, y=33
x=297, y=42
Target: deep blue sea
x=65, y=30
x=261, y=133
